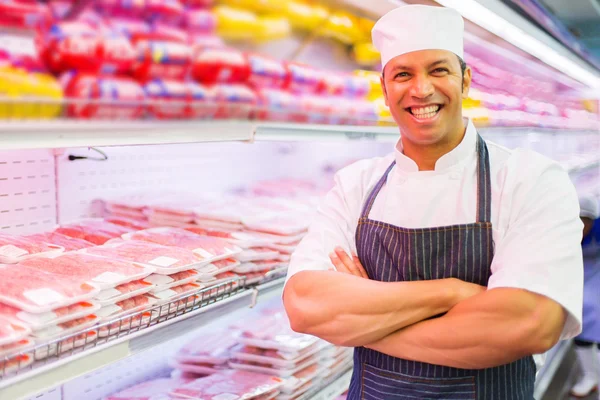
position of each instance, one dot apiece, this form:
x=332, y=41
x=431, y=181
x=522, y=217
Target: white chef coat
x=535, y=216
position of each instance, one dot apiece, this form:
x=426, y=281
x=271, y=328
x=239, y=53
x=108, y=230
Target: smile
x=425, y=113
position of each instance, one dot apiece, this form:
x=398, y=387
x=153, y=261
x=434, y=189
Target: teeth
x=425, y=112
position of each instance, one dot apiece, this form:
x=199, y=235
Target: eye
x=401, y=75
x=440, y=71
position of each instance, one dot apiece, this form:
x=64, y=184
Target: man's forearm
x=351, y=311
x=493, y=328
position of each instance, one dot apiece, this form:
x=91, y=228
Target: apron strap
x=375, y=192
x=484, y=183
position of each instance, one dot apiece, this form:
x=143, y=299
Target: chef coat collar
x=466, y=148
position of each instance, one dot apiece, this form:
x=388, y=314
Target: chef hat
x=589, y=207
x=417, y=27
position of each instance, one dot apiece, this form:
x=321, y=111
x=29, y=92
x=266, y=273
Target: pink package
x=66, y=328
x=96, y=231
x=54, y=317
x=36, y=291
x=15, y=364
x=164, y=260
x=257, y=254
x=244, y=385
x=279, y=223
x=127, y=222
x=210, y=348
x=148, y=390
x=199, y=20
x=178, y=279
x=210, y=248
x=11, y=331
x=162, y=60
x=16, y=347
x=259, y=266
x=226, y=265
x=101, y=272
x=118, y=54
x=58, y=239
x=198, y=369
x=123, y=292
x=17, y=248
x=177, y=292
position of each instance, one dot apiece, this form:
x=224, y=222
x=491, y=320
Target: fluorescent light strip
x=480, y=15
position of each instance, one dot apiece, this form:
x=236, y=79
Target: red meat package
x=43, y=320
x=16, y=347
x=124, y=291
x=241, y=384
x=271, y=370
x=198, y=369
x=101, y=272
x=57, y=239
x=66, y=328
x=210, y=348
x=96, y=231
x=118, y=55
x=220, y=65
x=199, y=20
x=302, y=78
x=17, y=248
x=300, y=381
x=126, y=307
x=257, y=254
x=81, y=53
x=150, y=390
x=173, y=280
x=279, y=223
x=266, y=72
x=132, y=223
x=65, y=345
x=235, y=101
x=279, y=359
x=259, y=266
x=11, y=331
x=170, y=99
x=161, y=59
x=161, y=32
x=36, y=291
x=164, y=260
x=28, y=15
x=14, y=364
x=209, y=248
x=107, y=97
x=221, y=278
x=177, y=292
x=226, y=265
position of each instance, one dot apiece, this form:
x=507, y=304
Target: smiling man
x=451, y=264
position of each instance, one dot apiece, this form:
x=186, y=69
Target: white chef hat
x=589, y=207
x=417, y=27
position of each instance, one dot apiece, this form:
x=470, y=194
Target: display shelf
x=331, y=390
x=216, y=302
x=547, y=373
x=312, y=132
x=81, y=133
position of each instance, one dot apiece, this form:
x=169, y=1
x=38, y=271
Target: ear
x=385, y=97
x=466, y=85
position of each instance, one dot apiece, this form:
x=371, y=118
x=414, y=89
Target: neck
x=427, y=155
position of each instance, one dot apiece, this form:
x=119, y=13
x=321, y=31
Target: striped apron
x=390, y=253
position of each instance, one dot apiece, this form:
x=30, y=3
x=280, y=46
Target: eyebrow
x=433, y=64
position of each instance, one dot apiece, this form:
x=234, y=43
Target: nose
x=421, y=87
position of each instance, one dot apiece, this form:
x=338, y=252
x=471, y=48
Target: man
x=455, y=259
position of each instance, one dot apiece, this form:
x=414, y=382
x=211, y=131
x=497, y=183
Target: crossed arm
x=481, y=328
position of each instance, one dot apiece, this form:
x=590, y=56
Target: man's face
x=424, y=91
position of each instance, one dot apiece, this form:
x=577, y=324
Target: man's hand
x=346, y=264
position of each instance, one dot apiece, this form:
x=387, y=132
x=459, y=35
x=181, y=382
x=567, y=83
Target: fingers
x=360, y=267
x=337, y=263
x=351, y=266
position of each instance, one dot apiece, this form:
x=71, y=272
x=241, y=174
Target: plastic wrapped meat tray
x=259, y=266
x=279, y=224
x=58, y=239
x=15, y=364
x=178, y=279
x=65, y=328
x=14, y=249
x=12, y=331
x=278, y=359
x=148, y=390
x=36, y=291
x=262, y=369
x=101, y=272
x=54, y=317
x=244, y=385
x=124, y=292
x=210, y=248
x=198, y=369
x=211, y=348
x=133, y=223
x=20, y=346
x=164, y=260
x=65, y=345
x=97, y=231
x=257, y=254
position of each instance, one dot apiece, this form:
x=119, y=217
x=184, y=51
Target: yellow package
x=272, y=27
x=49, y=90
x=365, y=54
x=306, y=17
x=374, y=81
x=342, y=26
x=235, y=23
x=257, y=6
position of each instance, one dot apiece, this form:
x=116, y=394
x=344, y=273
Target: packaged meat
x=170, y=99
x=227, y=210
x=242, y=384
x=15, y=364
x=18, y=248
x=274, y=332
x=167, y=11
x=209, y=248
x=101, y=272
x=164, y=260
x=148, y=390
x=118, y=55
x=220, y=65
x=65, y=345
x=35, y=291
x=20, y=346
x=162, y=60
x=211, y=348
x=226, y=265
x=81, y=53
x=257, y=254
x=215, y=224
x=302, y=78
x=132, y=223
x=66, y=328
x=54, y=317
x=96, y=231
x=285, y=249
x=279, y=105
x=124, y=292
x=300, y=382
x=200, y=20
x=213, y=280
x=259, y=266
x=266, y=72
x=124, y=324
x=278, y=359
x=198, y=369
x=58, y=239
x=177, y=292
x=180, y=278
x=11, y=331
x=129, y=27
x=203, y=102
x=32, y=16
x=270, y=370
x=235, y=101
x=278, y=223
x=126, y=307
